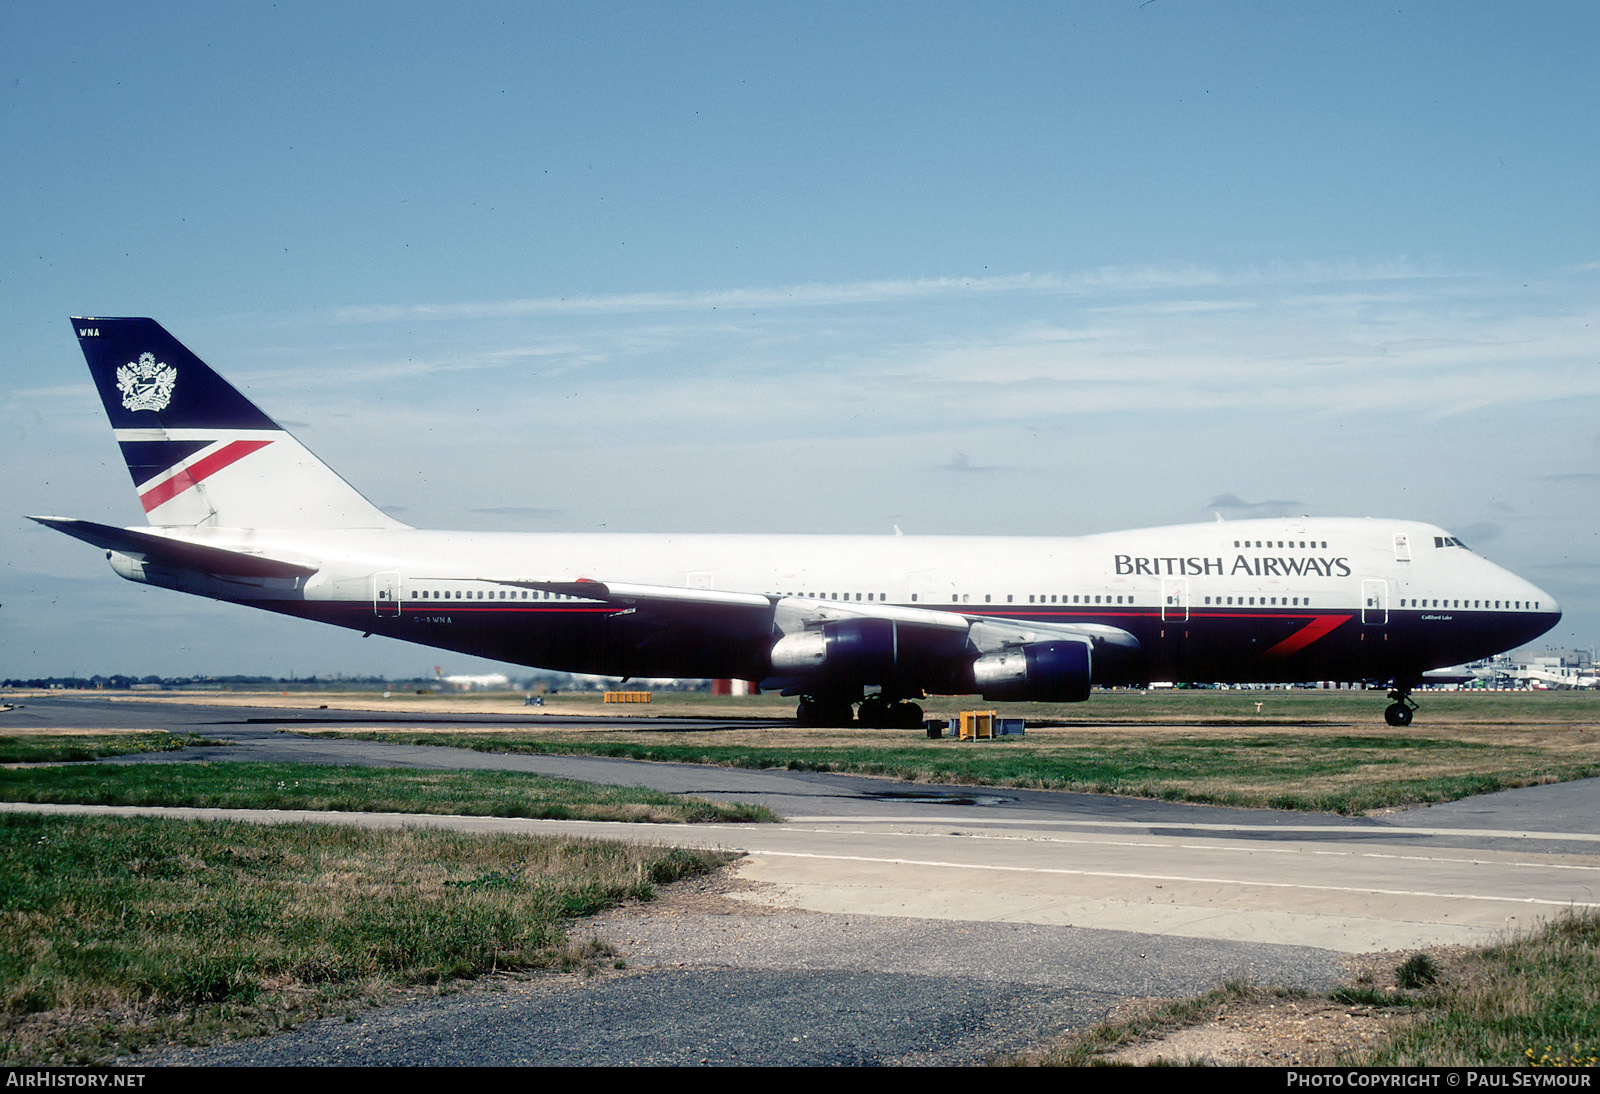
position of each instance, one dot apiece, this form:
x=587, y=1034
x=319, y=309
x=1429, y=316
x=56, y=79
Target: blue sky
x=1022, y=268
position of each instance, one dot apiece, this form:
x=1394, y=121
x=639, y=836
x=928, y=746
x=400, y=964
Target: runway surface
x=1026, y=912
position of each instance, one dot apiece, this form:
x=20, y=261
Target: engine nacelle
x=1040, y=672
x=854, y=651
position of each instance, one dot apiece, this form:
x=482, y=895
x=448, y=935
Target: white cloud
x=1122, y=279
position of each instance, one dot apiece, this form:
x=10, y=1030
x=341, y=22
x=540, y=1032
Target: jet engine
x=1042, y=672
x=855, y=651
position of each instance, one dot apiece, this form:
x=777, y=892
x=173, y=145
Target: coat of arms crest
x=146, y=384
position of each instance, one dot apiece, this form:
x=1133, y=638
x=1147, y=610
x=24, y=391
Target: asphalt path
x=886, y=922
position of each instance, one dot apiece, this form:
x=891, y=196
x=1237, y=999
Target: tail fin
x=200, y=453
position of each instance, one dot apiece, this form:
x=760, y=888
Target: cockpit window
x=1447, y=541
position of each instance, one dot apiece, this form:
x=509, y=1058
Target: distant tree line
x=543, y=680
x=120, y=682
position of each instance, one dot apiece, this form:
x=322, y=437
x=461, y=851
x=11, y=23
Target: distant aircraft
x=238, y=510
x=463, y=681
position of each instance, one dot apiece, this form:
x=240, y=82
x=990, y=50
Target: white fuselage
x=1244, y=587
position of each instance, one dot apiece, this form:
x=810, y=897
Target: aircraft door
x=1175, y=600
x=1374, y=601
x=386, y=593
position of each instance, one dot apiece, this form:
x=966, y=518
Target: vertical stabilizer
x=200, y=453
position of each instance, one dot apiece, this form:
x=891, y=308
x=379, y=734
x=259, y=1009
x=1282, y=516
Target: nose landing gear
x=1399, y=712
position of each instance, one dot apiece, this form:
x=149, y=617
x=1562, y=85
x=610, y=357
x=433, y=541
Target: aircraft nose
x=1543, y=601
x=1546, y=611
x=1554, y=606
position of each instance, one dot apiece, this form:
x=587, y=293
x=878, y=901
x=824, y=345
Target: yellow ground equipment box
x=977, y=724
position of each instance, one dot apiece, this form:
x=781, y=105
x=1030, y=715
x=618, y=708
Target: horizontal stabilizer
x=176, y=553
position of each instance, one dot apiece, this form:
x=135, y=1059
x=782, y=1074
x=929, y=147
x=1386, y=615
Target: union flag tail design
x=200, y=453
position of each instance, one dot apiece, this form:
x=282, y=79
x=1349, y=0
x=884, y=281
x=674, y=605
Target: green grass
x=117, y=933
x=1532, y=1001
x=70, y=747
x=1326, y=772
x=252, y=785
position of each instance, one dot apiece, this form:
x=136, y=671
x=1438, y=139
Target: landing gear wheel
x=906, y=715
x=1400, y=711
x=876, y=713
x=879, y=713
x=838, y=715
x=823, y=713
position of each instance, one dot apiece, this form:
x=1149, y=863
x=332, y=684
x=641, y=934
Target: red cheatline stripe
x=1306, y=635
x=201, y=469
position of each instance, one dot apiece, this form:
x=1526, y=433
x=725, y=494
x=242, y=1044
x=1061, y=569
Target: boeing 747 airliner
x=238, y=510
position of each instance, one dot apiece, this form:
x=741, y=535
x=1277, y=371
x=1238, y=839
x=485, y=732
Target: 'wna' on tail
x=200, y=453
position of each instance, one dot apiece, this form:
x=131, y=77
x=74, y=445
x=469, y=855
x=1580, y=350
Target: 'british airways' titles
x=1254, y=565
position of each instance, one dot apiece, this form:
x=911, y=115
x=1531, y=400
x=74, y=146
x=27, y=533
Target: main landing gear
x=877, y=712
x=880, y=712
x=1399, y=712
x=818, y=711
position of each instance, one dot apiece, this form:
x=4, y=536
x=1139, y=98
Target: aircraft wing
x=625, y=594
x=177, y=553
x=785, y=615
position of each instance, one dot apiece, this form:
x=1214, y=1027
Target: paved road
x=901, y=923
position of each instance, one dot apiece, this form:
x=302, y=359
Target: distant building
x=1570, y=668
